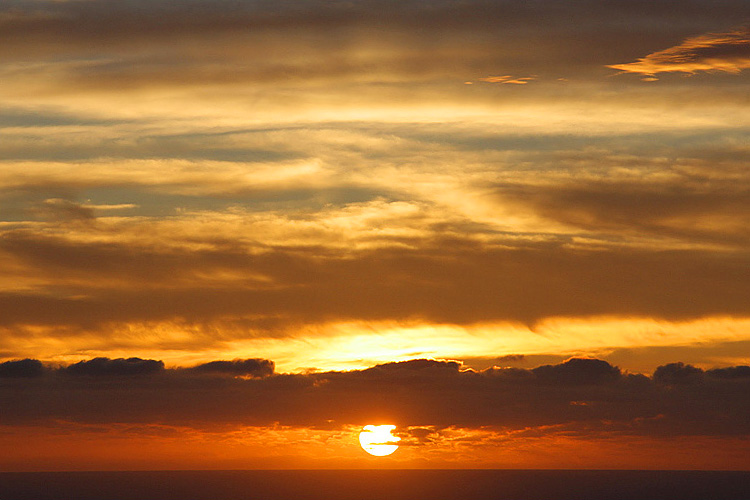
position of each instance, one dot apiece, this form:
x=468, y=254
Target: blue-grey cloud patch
x=29, y=118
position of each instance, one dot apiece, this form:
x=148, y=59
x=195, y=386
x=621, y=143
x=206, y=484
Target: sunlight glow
x=378, y=440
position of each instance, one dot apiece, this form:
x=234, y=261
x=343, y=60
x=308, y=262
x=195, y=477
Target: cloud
x=732, y=372
x=508, y=79
x=416, y=365
x=65, y=210
x=105, y=367
x=709, y=211
x=578, y=371
x=245, y=367
x=21, y=368
x=678, y=373
x=681, y=373
x=308, y=44
x=585, y=397
x=728, y=52
x=511, y=358
x=454, y=280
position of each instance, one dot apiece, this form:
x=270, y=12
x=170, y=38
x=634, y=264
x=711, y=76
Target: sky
x=234, y=232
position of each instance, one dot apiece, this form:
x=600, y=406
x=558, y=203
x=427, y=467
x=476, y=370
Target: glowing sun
x=377, y=440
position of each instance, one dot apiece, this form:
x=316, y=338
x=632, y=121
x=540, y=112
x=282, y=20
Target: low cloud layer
x=102, y=367
x=238, y=367
x=583, y=397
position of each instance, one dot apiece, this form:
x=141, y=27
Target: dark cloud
x=681, y=373
x=644, y=358
x=732, y=372
x=249, y=367
x=678, y=373
x=417, y=365
x=480, y=363
x=21, y=368
x=417, y=436
x=582, y=396
x=579, y=371
x=105, y=367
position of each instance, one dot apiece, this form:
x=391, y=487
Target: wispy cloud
x=508, y=79
x=728, y=52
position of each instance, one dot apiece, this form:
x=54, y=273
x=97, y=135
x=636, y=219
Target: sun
x=377, y=440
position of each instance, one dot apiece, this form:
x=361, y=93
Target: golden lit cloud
x=723, y=52
x=342, y=346
x=508, y=79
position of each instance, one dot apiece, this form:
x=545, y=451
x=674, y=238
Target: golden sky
x=516, y=230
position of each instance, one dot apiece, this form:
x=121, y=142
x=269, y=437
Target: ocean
x=377, y=485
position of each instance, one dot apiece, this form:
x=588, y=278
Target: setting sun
x=378, y=440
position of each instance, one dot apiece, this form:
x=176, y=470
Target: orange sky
x=335, y=186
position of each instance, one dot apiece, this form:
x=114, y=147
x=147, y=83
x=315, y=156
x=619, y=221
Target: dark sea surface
x=377, y=485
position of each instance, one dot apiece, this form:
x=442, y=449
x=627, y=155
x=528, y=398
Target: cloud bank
x=582, y=397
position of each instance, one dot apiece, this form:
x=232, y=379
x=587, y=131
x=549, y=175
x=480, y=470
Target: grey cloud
x=645, y=358
x=682, y=373
x=732, y=372
x=105, y=367
x=251, y=367
x=64, y=210
x=584, y=396
x=12, y=117
x=417, y=436
x=416, y=365
x=578, y=371
x=21, y=368
x=678, y=373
